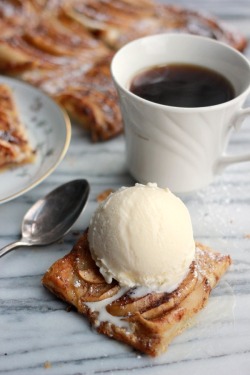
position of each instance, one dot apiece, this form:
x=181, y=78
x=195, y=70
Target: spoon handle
x=10, y=247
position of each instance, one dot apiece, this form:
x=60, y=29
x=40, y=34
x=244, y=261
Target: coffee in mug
x=182, y=85
x=178, y=144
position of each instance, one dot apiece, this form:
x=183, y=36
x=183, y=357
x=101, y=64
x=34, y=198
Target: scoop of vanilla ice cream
x=142, y=236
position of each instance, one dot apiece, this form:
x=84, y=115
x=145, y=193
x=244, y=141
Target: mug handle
x=226, y=160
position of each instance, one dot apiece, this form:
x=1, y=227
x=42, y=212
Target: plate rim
x=63, y=151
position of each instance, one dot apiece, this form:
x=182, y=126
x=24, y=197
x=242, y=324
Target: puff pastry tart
x=58, y=44
x=146, y=321
x=15, y=148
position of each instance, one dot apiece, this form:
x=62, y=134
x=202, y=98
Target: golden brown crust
x=103, y=195
x=92, y=97
x=150, y=321
x=14, y=143
x=118, y=22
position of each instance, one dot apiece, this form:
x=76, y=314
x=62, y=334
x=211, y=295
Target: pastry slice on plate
x=15, y=148
x=135, y=283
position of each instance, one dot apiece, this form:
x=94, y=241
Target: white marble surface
x=35, y=328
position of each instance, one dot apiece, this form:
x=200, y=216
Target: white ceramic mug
x=181, y=148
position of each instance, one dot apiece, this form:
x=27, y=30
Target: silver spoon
x=52, y=216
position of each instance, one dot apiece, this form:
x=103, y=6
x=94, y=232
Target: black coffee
x=182, y=85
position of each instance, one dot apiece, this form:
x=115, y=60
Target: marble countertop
x=39, y=336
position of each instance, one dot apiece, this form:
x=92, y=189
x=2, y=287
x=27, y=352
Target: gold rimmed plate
x=49, y=131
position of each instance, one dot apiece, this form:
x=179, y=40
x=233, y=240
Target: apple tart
x=15, y=147
x=148, y=321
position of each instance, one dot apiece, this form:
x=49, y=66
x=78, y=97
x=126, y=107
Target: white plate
x=49, y=132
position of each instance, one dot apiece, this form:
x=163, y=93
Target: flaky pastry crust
x=147, y=322
x=15, y=147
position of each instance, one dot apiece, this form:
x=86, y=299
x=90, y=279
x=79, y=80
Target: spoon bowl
x=52, y=216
